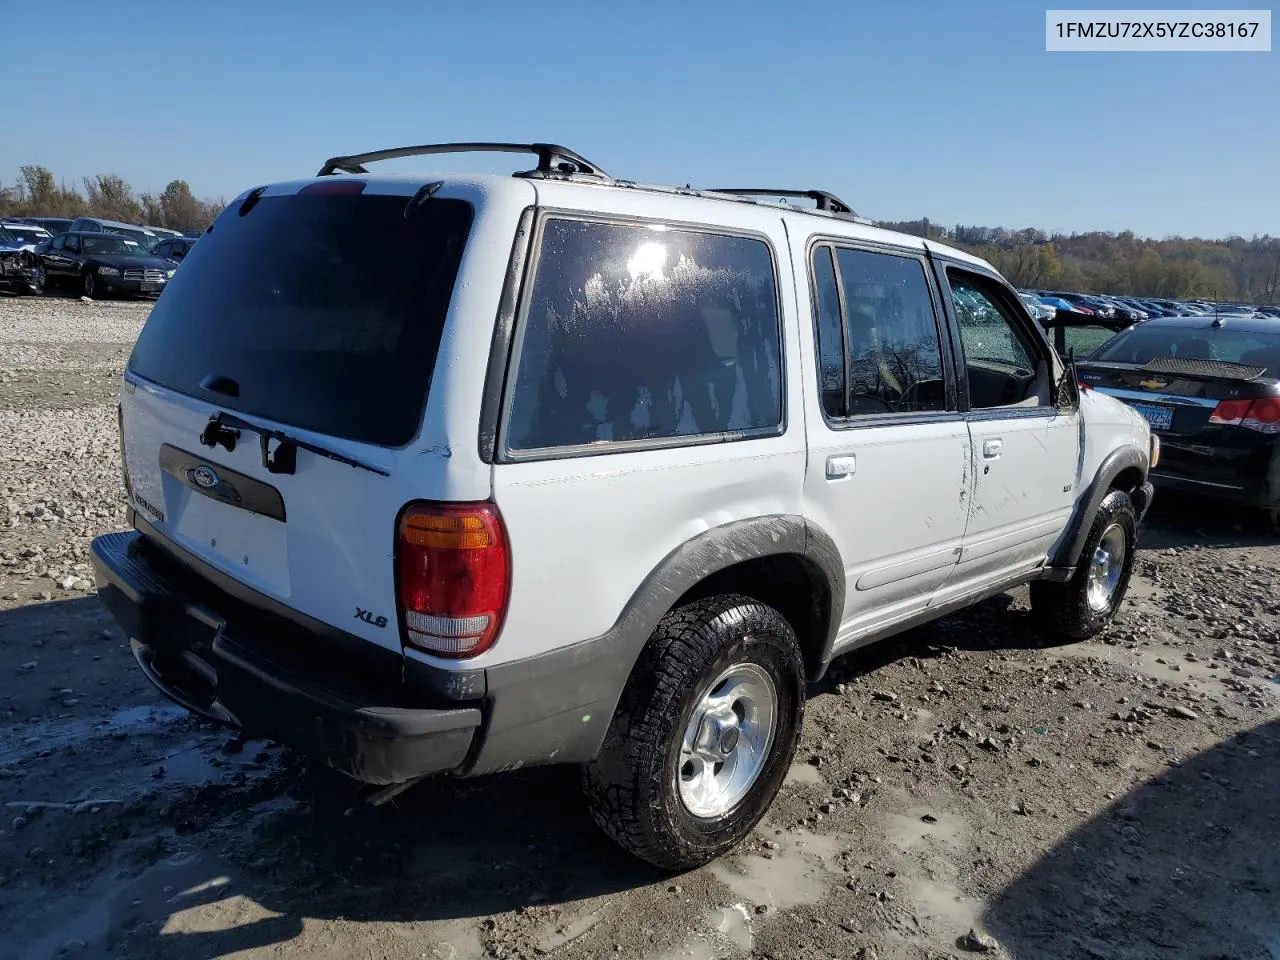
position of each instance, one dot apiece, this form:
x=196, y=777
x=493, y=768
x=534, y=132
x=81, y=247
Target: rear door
x=888, y=474
x=317, y=313
x=1024, y=450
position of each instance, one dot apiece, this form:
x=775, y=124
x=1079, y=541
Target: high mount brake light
x=453, y=570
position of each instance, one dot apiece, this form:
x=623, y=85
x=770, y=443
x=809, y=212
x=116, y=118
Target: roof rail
x=553, y=159
x=825, y=201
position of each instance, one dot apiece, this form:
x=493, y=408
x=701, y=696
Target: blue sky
x=951, y=110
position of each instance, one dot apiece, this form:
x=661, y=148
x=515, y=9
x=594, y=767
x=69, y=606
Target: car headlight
x=108, y=271
x=1155, y=452
x=169, y=274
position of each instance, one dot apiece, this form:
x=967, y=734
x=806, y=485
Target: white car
x=471, y=473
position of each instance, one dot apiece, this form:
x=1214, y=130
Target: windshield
x=137, y=236
x=319, y=325
x=1143, y=343
x=6, y=236
x=108, y=244
x=27, y=234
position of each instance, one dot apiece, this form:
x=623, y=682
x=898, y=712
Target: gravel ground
x=960, y=790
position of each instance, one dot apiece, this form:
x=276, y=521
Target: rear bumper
x=218, y=658
x=1246, y=473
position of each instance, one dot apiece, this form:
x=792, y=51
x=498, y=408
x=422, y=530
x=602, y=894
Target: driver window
x=1000, y=363
x=893, y=358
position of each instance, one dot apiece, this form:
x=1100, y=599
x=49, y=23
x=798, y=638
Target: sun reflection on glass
x=648, y=261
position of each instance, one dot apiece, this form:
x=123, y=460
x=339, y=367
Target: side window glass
x=73, y=244
x=1000, y=363
x=636, y=333
x=59, y=242
x=830, y=332
x=891, y=332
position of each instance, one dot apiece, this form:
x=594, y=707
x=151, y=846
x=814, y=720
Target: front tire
x=36, y=285
x=1083, y=606
x=704, y=733
x=90, y=284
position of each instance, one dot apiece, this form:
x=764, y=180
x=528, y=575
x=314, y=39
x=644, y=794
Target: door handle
x=991, y=449
x=839, y=468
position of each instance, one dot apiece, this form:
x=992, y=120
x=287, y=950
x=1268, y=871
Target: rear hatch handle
x=223, y=429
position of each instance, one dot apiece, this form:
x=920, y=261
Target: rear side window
x=326, y=310
x=637, y=333
x=887, y=339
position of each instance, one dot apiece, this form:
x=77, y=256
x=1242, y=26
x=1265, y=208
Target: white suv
x=465, y=474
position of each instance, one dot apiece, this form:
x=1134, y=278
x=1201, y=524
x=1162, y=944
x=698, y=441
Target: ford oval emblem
x=204, y=477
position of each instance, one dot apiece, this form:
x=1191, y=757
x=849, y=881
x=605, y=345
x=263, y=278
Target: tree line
x=1117, y=263
x=1234, y=269
x=38, y=194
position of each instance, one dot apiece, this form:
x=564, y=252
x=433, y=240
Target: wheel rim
x=727, y=740
x=1105, y=567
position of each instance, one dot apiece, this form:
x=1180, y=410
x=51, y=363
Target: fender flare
x=558, y=705
x=1117, y=461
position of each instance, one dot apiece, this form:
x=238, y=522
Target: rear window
x=636, y=333
x=325, y=309
x=1143, y=343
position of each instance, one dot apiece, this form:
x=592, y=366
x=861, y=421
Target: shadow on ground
x=1184, y=866
x=1181, y=519
x=445, y=850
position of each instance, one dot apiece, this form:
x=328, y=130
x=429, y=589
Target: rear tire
x=1084, y=605
x=704, y=733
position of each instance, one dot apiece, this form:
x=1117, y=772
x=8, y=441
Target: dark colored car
x=1210, y=388
x=54, y=225
x=101, y=264
x=174, y=248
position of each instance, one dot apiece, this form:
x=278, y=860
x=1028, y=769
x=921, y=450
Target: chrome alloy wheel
x=1105, y=568
x=727, y=740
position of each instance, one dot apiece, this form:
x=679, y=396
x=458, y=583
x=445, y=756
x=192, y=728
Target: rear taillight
x=124, y=464
x=1261, y=415
x=453, y=566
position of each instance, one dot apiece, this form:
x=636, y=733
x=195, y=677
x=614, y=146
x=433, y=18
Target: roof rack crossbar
x=552, y=157
x=824, y=200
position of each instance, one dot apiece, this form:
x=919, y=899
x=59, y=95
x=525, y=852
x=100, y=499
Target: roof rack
x=553, y=159
x=824, y=200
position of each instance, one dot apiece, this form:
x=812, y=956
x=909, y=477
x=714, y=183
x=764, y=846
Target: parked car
x=102, y=264
x=30, y=235
x=174, y=249
x=1210, y=388
x=55, y=225
x=163, y=232
x=20, y=270
x=144, y=237
x=1037, y=308
x=617, y=527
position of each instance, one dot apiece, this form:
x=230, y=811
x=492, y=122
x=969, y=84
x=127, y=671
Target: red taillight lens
x=453, y=565
x=1264, y=415
x=1261, y=415
x=1229, y=412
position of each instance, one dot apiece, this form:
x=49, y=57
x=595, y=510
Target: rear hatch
x=271, y=392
